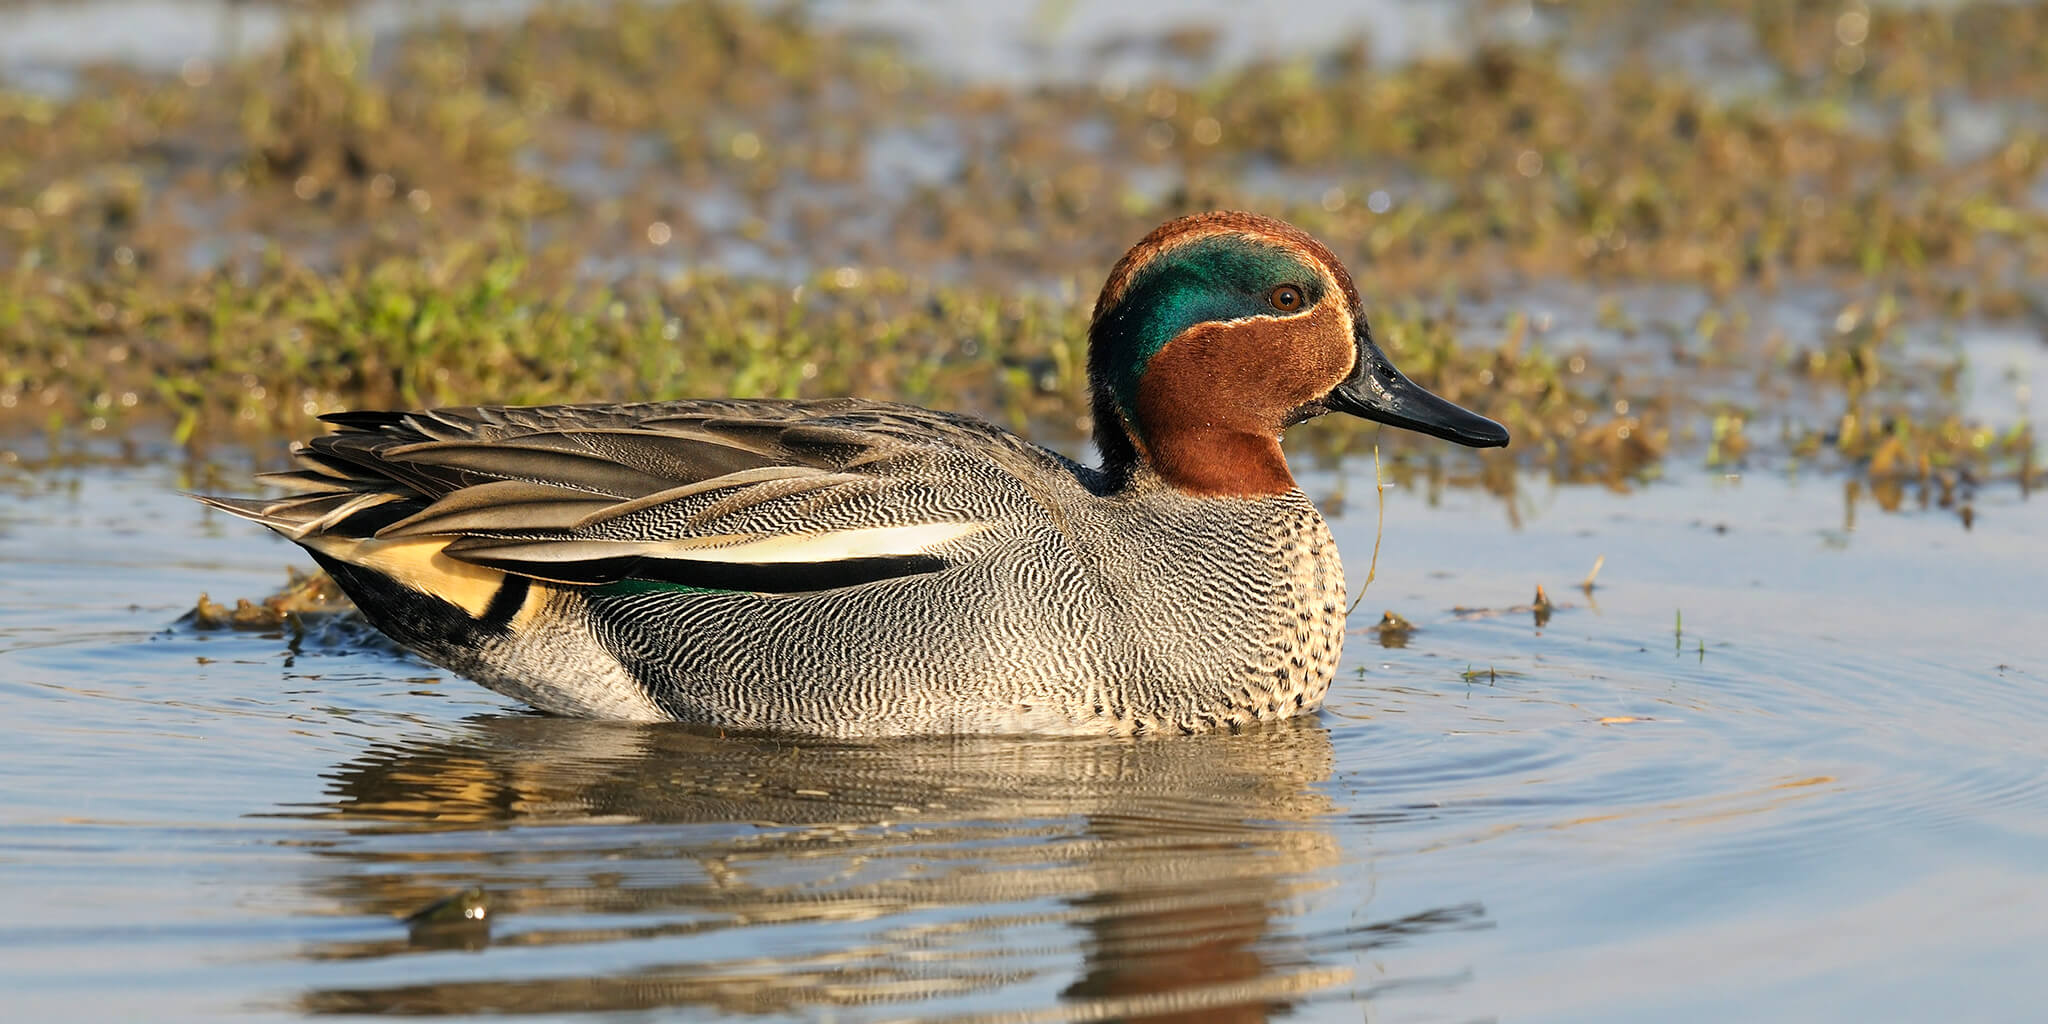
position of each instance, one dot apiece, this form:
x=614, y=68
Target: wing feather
x=763, y=496
x=502, y=507
x=794, y=478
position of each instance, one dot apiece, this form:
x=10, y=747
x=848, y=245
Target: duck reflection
x=759, y=875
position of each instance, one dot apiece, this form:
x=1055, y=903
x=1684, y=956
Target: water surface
x=1785, y=762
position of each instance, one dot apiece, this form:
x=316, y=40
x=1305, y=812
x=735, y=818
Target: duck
x=853, y=568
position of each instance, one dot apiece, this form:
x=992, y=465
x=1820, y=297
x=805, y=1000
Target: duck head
x=1217, y=332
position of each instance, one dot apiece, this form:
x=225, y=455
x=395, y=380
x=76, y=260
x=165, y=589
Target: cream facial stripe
x=1305, y=317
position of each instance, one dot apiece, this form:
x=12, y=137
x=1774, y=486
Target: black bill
x=1377, y=391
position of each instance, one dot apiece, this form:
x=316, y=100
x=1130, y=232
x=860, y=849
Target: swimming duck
x=861, y=568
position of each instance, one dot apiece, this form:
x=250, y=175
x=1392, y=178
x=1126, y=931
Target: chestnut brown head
x=1218, y=331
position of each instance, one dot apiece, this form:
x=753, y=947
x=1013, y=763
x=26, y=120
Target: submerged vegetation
x=628, y=201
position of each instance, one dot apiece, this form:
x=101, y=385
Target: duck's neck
x=1189, y=446
x=1206, y=460
x=1113, y=440
x=1216, y=462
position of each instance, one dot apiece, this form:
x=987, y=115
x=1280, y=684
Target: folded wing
x=754, y=496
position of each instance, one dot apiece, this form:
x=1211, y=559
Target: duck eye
x=1286, y=298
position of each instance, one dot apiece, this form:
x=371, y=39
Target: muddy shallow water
x=1785, y=762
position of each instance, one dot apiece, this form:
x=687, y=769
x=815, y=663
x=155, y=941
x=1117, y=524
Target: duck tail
x=304, y=516
x=329, y=494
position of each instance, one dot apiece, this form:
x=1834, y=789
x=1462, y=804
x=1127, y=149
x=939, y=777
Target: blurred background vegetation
x=1719, y=231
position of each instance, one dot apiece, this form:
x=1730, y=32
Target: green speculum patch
x=1219, y=278
x=629, y=587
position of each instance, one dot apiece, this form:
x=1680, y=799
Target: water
x=1786, y=762
x=998, y=42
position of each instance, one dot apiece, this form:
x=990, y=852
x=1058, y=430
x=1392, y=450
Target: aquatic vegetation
x=1393, y=630
x=304, y=593
x=628, y=200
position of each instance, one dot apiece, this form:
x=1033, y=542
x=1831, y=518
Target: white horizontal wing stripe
x=871, y=542
x=743, y=548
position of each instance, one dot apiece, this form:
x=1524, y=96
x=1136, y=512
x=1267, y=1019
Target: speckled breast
x=1308, y=626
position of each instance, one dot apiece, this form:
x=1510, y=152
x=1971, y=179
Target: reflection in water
x=764, y=875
